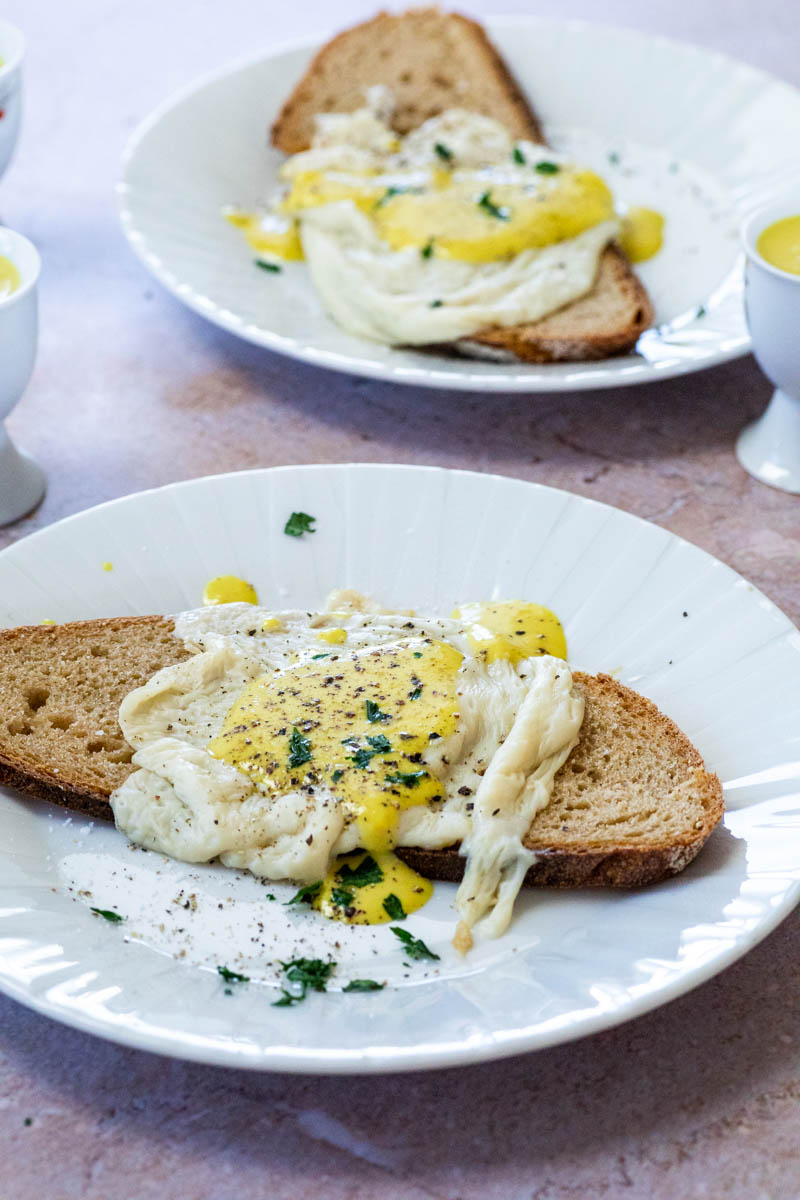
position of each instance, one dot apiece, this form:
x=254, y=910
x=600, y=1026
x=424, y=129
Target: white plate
x=694, y=134
x=672, y=621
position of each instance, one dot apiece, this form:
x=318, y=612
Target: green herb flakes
x=363, y=985
x=273, y=268
x=299, y=523
x=108, y=914
x=232, y=976
x=547, y=168
x=415, y=695
x=299, y=749
x=427, y=249
x=492, y=209
x=409, y=780
x=342, y=897
x=307, y=974
x=444, y=152
x=436, y=304
x=336, y=776
x=518, y=156
x=414, y=947
x=365, y=873
x=307, y=894
x=374, y=713
x=393, y=906
x=326, y=654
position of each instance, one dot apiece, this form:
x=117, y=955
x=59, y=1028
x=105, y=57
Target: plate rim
x=366, y=1060
x=620, y=371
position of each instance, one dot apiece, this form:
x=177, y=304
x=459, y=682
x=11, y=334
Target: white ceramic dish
x=673, y=622
x=694, y=134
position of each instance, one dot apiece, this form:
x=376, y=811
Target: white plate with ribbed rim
x=667, y=618
x=689, y=132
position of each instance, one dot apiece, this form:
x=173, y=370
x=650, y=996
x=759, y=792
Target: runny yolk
x=9, y=277
x=334, y=637
x=268, y=233
x=512, y=629
x=779, y=244
x=359, y=725
x=228, y=589
x=394, y=891
x=642, y=233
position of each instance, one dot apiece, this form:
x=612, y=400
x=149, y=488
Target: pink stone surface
x=698, y=1099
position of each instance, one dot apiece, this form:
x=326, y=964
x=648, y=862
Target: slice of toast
x=432, y=61
x=632, y=804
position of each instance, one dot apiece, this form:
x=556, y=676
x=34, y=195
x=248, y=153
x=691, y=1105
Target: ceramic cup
x=770, y=448
x=12, y=50
x=22, y=482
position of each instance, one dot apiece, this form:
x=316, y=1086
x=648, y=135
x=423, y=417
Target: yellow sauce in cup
x=9, y=277
x=779, y=244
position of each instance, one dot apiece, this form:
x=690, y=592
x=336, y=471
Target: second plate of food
x=189, y=959
x=669, y=127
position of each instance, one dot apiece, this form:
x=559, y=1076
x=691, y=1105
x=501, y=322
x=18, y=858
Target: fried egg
x=434, y=236
x=290, y=739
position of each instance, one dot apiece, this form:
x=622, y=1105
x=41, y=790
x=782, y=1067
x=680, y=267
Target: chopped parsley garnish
x=269, y=896
x=518, y=156
x=492, y=209
x=415, y=695
x=327, y=654
x=701, y=310
x=268, y=266
x=380, y=743
x=414, y=947
x=417, y=654
x=364, y=754
x=363, y=985
x=444, y=152
x=307, y=974
x=436, y=304
x=299, y=749
x=427, y=249
x=393, y=906
x=108, y=914
x=410, y=780
x=547, y=168
x=613, y=158
x=307, y=894
x=232, y=976
x=336, y=776
x=342, y=897
x=298, y=524
x=365, y=873
x=374, y=713
x=393, y=191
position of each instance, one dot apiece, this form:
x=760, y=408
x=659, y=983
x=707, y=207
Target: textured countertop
x=698, y=1099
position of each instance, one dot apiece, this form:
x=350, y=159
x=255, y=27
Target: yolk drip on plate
x=512, y=630
x=228, y=589
x=365, y=889
x=359, y=725
x=642, y=233
x=9, y=277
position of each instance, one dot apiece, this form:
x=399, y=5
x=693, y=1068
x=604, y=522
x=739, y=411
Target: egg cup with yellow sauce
x=769, y=449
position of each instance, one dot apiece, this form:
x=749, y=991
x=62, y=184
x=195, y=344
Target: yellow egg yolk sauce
x=779, y=244
x=365, y=889
x=358, y=725
x=642, y=233
x=228, y=589
x=512, y=629
x=465, y=216
x=9, y=277
x=268, y=233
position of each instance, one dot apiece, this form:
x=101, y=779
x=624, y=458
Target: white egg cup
x=770, y=448
x=12, y=51
x=22, y=481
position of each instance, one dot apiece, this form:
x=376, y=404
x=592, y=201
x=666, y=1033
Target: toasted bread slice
x=432, y=61
x=429, y=60
x=632, y=804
